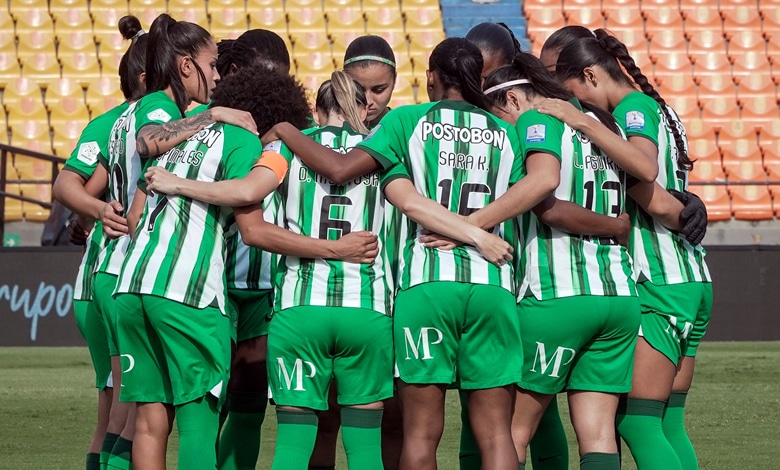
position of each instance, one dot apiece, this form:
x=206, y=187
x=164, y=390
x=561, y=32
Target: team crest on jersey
x=159, y=115
x=635, y=121
x=88, y=152
x=535, y=133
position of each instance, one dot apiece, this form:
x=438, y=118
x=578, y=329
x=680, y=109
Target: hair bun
x=129, y=26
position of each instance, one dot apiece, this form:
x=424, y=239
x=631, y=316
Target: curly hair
x=270, y=97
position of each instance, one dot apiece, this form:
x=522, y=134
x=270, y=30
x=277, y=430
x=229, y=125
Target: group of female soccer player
x=523, y=234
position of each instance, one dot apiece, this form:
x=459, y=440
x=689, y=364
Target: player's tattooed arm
x=355, y=247
x=544, y=174
x=155, y=139
x=324, y=161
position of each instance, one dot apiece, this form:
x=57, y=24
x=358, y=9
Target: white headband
x=522, y=81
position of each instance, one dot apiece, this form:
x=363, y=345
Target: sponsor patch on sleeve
x=88, y=152
x=159, y=115
x=535, y=133
x=635, y=121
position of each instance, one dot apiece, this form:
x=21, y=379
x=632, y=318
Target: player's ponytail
x=168, y=40
x=133, y=62
x=458, y=64
x=527, y=73
x=344, y=96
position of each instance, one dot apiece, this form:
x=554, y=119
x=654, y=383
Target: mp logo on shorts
x=675, y=330
x=557, y=360
x=427, y=337
x=296, y=375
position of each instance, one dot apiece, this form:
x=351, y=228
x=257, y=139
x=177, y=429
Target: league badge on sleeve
x=88, y=152
x=535, y=133
x=635, y=121
x=275, y=146
x=159, y=115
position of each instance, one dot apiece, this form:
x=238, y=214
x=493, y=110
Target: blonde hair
x=345, y=96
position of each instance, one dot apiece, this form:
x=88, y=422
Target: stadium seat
x=254, y=5
x=384, y=19
x=312, y=81
x=423, y=19
x=340, y=41
x=749, y=64
x=14, y=211
x=704, y=149
x=9, y=68
x=635, y=41
x=713, y=85
x=373, y=5
x=742, y=159
x=148, y=15
x=66, y=135
x=680, y=84
x=701, y=15
x=307, y=42
x=314, y=63
x=710, y=62
x=121, y=7
x=82, y=66
x=305, y=19
x=228, y=23
x=686, y=106
x=696, y=128
x=410, y=5
x=333, y=5
x=739, y=17
x=751, y=202
x=268, y=18
x=719, y=111
x=40, y=66
x=716, y=198
x=215, y=7
x=664, y=41
x=706, y=41
x=31, y=134
x=588, y=16
x=770, y=18
x=346, y=19
x=32, y=211
x=109, y=64
x=421, y=43
x=58, y=91
x=741, y=41
x=624, y=18
x=756, y=107
x=194, y=13
x=663, y=17
x=102, y=95
x=75, y=18
x=706, y=171
x=396, y=39
x=404, y=66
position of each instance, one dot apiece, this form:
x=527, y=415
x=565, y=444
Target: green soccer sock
x=93, y=461
x=674, y=430
x=361, y=431
x=521, y=465
x=239, y=443
x=295, y=436
x=121, y=455
x=198, y=424
x=549, y=447
x=469, y=451
x=108, y=445
x=639, y=424
x=599, y=461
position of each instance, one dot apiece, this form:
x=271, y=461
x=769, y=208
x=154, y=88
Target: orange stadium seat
x=686, y=106
x=346, y=19
x=713, y=85
x=770, y=16
x=716, y=198
x=588, y=16
x=228, y=22
x=750, y=63
x=742, y=159
x=384, y=19
x=701, y=16
x=706, y=41
x=268, y=18
x=751, y=202
x=696, y=128
x=706, y=171
x=634, y=40
x=757, y=107
x=624, y=17
x=680, y=84
x=305, y=19
x=665, y=16
x=423, y=19
x=710, y=62
x=738, y=17
x=743, y=40
x=704, y=149
x=103, y=94
x=670, y=65
x=667, y=41
x=719, y=111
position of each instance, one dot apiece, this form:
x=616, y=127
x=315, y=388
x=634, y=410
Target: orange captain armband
x=274, y=162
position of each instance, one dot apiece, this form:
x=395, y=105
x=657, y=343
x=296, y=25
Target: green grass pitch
x=48, y=409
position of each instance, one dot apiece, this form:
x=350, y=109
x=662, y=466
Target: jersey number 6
x=327, y=223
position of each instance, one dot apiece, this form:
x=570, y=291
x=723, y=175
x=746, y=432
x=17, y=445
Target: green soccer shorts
x=310, y=345
x=171, y=352
x=675, y=316
x=103, y=296
x=253, y=310
x=585, y=342
x=446, y=329
x=93, y=330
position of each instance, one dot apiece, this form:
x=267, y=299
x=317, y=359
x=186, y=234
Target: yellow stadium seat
x=420, y=62
x=299, y=5
x=109, y=64
x=13, y=207
x=103, y=94
x=58, y=6
x=269, y=18
x=423, y=19
x=41, y=66
x=384, y=19
x=213, y=7
x=9, y=68
x=82, y=66
x=106, y=26
x=119, y=6
x=333, y=5
x=228, y=22
x=314, y=63
x=29, y=168
x=140, y=5
x=41, y=192
x=424, y=42
x=373, y=5
x=148, y=15
x=66, y=135
x=312, y=81
x=72, y=19
x=59, y=90
x=32, y=41
x=346, y=19
x=408, y=5
x=341, y=40
x=403, y=64
x=770, y=16
x=305, y=20
x=305, y=42
x=193, y=14
x=396, y=39
x=70, y=108
x=19, y=6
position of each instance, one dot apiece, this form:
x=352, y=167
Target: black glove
x=694, y=214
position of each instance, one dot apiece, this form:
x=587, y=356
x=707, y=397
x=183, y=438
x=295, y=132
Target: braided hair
x=542, y=83
x=610, y=54
x=458, y=64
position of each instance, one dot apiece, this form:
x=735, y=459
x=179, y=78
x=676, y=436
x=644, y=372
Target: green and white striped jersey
x=314, y=207
x=461, y=156
x=248, y=267
x=125, y=165
x=660, y=255
x=556, y=264
x=83, y=161
x=178, y=249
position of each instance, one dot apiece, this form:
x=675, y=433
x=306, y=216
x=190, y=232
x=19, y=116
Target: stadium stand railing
x=717, y=62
